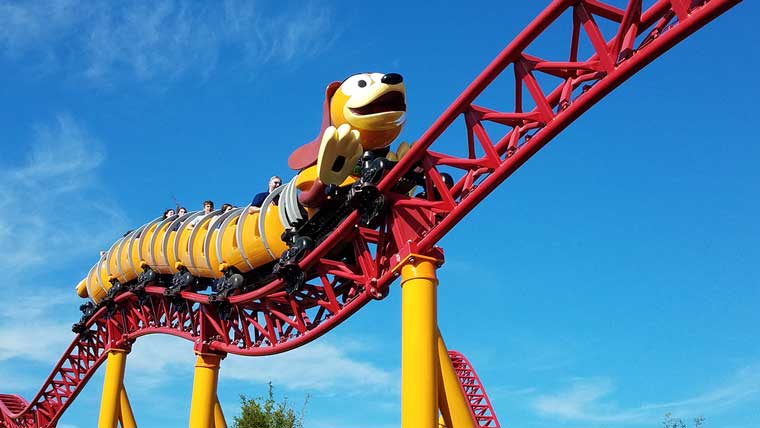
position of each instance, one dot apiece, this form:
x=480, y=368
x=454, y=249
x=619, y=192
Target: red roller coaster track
x=480, y=405
x=268, y=320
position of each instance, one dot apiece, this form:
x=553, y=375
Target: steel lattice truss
x=480, y=405
x=549, y=94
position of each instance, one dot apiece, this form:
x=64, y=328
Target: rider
x=258, y=200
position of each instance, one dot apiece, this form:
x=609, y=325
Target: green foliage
x=671, y=422
x=266, y=413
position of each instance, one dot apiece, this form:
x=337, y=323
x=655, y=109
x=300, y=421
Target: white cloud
x=22, y=25
x=41, y=341
x=319, y=367
x=154, y=360
x=582, y=401
x=28, y=332
x=591, y=401
x=48, y=214
x=51, y=206
x=162, y=40
x=743, y=385
x=13, y=380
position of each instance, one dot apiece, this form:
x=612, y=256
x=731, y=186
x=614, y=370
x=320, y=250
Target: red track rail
x=268, y=321
x=480, y=405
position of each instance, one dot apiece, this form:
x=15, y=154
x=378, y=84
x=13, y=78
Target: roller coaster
x=355, y=218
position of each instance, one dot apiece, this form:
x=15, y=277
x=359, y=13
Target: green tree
x=267, y=413
x=671, y=422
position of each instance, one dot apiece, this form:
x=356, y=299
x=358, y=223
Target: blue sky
x=609, y=281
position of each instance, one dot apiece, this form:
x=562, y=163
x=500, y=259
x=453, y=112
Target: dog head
x=372, y=103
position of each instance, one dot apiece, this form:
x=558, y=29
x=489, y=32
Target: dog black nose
x=392, y=79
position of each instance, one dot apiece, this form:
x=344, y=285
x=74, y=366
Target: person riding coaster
x=337, y=173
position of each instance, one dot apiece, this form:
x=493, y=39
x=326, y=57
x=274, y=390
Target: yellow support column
x=454, y=408
x=419, y=362
x=204, y=399
x=441, y=422
x=126, y=417
x=219, y=421
x=112, y=387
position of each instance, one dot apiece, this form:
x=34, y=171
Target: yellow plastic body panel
x=81, y=289
x=181, y=242
x=144, y=248
x=121, y=259
x=211, y=251
x=134, y=266
x=195, y=262
x=227, y=244
x=112, y=259
x=170, y=256
x=126, y=273
x=102, y=274
x=94, y=290
x=273, y=229
x=95, y=287
x=167, y=259
x=253, y=247
x=305, y=179
x=156, y=259
x=209, y=254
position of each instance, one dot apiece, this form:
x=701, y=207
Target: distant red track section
x=477, y=399
x=548, y=95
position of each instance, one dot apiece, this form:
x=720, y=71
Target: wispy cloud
x=23, y=24
x=582, y=401
x=591, y=400
x=318, y=367
x=744, y=385
x=13, y=380
x=162, y=40
x=29, y=333
x=51, y=206
x=155, y=360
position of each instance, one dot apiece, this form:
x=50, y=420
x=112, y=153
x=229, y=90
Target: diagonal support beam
x=451, y=400
x=126, y=417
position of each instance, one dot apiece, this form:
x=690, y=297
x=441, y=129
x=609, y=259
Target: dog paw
x=400, y=152
x=338, y=153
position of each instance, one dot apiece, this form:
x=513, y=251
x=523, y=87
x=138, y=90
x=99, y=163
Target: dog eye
x=355, y=83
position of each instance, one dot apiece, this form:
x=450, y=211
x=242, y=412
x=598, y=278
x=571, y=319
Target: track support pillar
x=419, y=359
x=219, y=421
x=113, y=386
x=455, y=411
x=205, y=411
x=126, y=417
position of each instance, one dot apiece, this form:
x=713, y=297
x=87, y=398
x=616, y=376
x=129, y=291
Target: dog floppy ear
x=306, y=155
